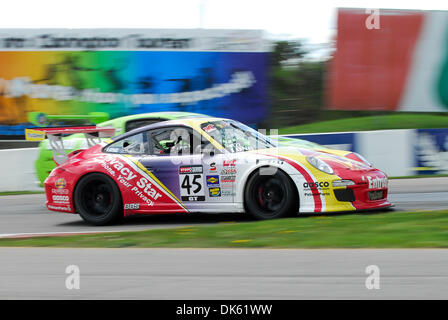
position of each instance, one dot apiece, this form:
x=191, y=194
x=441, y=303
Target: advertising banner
x=431, y=150
x=216, y=72
x=394, y=60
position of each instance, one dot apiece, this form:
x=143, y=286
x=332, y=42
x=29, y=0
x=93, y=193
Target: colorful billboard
x=399, y=64
x=221, y=73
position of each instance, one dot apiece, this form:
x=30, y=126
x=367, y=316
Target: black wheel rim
x=269, y=194
x=97, y=198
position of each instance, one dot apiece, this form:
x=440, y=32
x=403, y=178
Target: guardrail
x=17, y=170
x=17, y=144
x=396, y=152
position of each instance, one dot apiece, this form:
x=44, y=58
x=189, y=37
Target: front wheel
x=270, y=196
x=98, y=199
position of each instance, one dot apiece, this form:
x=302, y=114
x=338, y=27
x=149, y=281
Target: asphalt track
x=40, y=273
x=23, y=215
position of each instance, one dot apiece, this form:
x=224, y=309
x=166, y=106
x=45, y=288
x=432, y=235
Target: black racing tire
x=270, y=196
x=98, y=200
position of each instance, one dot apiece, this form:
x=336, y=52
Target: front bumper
x=369, y=191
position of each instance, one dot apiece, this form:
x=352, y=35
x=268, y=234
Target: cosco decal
x=316, y=184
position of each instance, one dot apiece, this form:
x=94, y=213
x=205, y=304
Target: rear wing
x=41, y=119
x=93, y=135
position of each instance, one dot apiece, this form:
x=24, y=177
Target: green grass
x=12, y=193
x=423, y=229
x=393, y=121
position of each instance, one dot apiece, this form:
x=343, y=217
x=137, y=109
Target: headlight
x=319, y=164
x=343, y=183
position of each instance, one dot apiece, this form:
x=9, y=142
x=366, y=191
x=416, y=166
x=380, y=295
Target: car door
x=193, y=176
x=141, y=190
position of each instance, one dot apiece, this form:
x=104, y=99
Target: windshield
x=236, y=137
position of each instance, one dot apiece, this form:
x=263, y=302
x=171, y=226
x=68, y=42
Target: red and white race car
x=204, y=165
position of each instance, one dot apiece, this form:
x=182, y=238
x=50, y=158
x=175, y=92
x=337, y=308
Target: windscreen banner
x=121, y=72
x=392, y=60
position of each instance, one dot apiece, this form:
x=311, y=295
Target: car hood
x=338, y=163
x=287, y=142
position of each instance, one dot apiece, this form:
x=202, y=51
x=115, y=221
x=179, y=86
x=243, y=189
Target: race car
x=203, y=165
x=44, y=163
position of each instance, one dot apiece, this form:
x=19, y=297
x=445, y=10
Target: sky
x=314, y=21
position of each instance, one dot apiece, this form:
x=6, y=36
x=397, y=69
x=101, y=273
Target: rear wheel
x=270, y=196
x=98, y=199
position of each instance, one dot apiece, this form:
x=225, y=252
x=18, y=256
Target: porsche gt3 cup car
x=204, y=165
x=44, y=163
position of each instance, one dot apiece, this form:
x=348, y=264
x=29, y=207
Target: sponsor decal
x=214, y=192
x=190, y=169
x=59, y=208
x=59, y=191
x=193, y=198
x=142, y=187
x=229, y=163
x=123, y=170
x=228, y=171
x=227, y=193
x=377, y=183
x=60, y=183
x=310, y=194
x=34, y=135
x=191, y=182
x=316, y=184
x=59, y=198
x=213, y=166
x=132, y=206
x=146, y=188
x=212, y=181
x=209, y=128
x=228, y=179
x=321, y=188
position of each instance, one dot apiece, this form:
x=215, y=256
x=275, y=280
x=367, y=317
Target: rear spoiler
x=41, y=119
x=93, y=134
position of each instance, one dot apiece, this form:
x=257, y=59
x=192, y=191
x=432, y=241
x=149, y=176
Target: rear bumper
x=58, y=190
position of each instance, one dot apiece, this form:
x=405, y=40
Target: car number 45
x=191, y=187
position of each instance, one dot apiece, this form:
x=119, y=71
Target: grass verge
x=393, y=121
x=12, y=193
x=391, y=229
